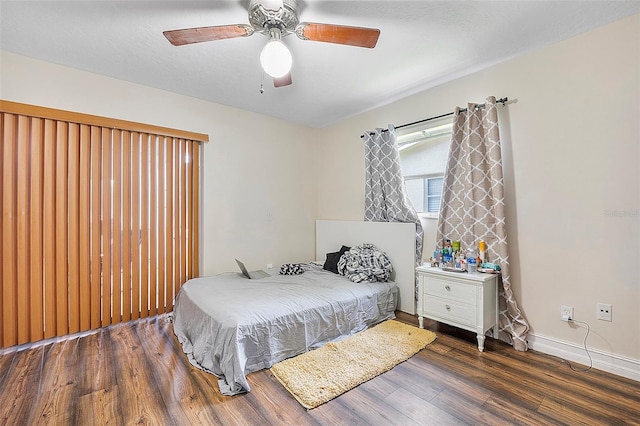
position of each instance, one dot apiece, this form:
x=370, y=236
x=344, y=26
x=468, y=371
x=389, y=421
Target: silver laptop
x=253, y=275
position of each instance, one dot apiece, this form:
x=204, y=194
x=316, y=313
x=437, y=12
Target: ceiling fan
x=277, y=19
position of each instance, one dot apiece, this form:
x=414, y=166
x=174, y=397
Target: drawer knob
x=447, y=307
x=446, y=287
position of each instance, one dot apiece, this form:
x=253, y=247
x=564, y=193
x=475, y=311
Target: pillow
x=291, y=269
x=331, y=264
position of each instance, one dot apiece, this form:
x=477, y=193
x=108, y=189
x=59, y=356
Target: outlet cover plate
x=604, y=311
x=566, y=312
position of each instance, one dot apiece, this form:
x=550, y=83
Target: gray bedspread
x=232, y=326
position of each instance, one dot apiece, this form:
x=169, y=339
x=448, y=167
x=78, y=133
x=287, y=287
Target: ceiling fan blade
x=198, y=35
x=339, y=34
x=282, y=81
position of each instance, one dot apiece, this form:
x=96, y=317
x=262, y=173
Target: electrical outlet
x=604, y=311
x=566, y=313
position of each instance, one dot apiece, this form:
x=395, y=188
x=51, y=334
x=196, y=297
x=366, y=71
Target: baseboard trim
x=57, y=339
x=611, y=363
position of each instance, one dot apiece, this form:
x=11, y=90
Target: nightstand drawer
x=458, y=312
x=460, y=292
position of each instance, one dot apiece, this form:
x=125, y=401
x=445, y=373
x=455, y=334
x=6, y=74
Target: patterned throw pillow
x=291, y=269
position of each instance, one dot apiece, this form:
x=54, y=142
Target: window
x=425, y=193
x=423, y=154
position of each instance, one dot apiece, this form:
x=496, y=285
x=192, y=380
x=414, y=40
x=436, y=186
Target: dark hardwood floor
x=136, y=373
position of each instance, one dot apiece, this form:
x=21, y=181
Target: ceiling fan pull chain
x=261, y=81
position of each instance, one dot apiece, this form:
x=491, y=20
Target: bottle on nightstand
x=472, y=265
x=482, y=247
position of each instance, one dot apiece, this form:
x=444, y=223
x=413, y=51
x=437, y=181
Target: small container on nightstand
x=472, y=265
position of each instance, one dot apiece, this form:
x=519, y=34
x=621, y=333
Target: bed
x=231, y=326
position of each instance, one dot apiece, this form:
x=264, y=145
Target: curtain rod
x=503, y=101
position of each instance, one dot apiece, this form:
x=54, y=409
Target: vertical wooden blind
x=99, y=221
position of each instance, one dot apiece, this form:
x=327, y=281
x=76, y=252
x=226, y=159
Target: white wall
x=571, y=160
x=259, y=190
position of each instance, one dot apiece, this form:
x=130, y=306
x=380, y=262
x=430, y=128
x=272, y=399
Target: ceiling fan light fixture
x=275, y=58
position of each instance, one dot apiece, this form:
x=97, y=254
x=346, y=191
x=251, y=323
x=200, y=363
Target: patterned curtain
x=386, y=199
x=472, y=207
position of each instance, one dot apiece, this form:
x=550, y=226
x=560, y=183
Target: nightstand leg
x=480, y=342
x=496, y=328
x=421, y=322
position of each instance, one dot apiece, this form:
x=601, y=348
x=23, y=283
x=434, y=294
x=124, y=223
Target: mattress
x=231, y=326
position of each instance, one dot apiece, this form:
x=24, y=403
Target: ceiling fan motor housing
x=263, y=19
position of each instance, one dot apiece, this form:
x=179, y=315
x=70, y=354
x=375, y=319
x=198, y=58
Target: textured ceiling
x=422, y=44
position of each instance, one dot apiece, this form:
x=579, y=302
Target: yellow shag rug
x=320, y=375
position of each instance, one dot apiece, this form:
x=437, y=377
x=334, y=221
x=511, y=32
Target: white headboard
x=397, y=240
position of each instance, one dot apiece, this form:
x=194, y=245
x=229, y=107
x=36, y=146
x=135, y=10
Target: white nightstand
x=460, y=299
